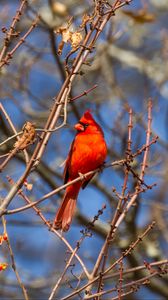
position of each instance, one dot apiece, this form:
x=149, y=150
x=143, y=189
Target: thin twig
x=11, y=138
x=9, y=33
x=85, y=93
x=13, y=261
x=9, y=55
x=120, y=288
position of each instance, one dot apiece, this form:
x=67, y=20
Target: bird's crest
x=87, y=116
x=87, y=119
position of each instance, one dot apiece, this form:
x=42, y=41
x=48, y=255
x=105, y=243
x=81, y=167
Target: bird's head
x=87, y=124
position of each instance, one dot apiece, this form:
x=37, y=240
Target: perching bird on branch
x=87, y=152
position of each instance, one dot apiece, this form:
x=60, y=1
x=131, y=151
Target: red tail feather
x=66, y=211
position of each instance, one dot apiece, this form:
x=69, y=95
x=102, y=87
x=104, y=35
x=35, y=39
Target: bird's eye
x=85, y=125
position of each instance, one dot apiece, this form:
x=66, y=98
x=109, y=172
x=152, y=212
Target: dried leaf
x=68, y=36
x=75, y=39
x=27, y=137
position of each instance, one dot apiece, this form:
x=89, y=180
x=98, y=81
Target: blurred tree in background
x=58, y=59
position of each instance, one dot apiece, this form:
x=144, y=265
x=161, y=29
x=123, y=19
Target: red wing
x=67, y=164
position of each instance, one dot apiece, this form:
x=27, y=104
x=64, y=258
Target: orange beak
x=79, y=127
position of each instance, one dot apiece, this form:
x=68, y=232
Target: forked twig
x=9, y=55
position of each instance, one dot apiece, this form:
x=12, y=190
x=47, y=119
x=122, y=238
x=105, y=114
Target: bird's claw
x=101, y=168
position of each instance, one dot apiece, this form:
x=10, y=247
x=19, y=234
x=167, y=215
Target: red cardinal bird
x=88, y=152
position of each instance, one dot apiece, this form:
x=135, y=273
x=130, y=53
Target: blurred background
x=129, y=66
